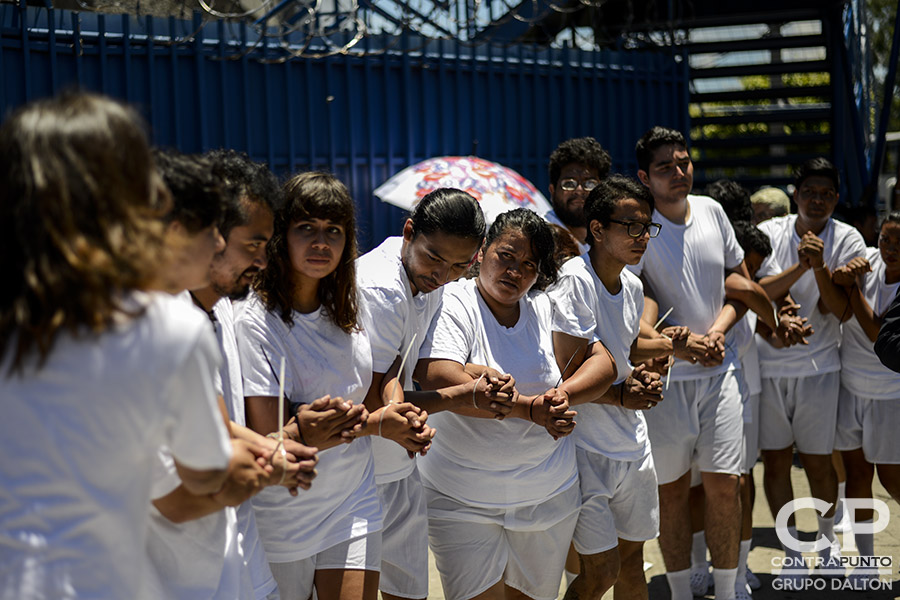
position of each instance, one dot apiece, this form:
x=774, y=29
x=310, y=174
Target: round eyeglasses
x=636, y=229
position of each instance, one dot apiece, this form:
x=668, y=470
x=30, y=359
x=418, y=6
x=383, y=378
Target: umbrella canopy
x=496, y=187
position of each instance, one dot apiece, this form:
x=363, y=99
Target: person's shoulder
x=224, y=310
x=843, y=231
x=577, y=266
x=631, y=281
x=380, y=266
x=778, y=224
x=172, y=315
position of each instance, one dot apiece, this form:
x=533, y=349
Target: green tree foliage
x=882, y=14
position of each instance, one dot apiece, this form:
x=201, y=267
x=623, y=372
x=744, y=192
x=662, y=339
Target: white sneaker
x=701, y=581
x=831, y=557
x=752, y=580
x=841, y=518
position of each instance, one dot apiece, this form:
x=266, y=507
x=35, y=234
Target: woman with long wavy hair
x=305, y=310
x=95, y=373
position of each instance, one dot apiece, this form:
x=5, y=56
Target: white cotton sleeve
x=196, y=434
x=384, y=319
x=452, y=333
x=165, y=475
x=261, y=353
x=572, y=302
x=852, y=246
x=769, y=265
x=734, y=254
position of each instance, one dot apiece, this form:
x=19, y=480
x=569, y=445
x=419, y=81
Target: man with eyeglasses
x=700, y=423
x=800, y=384
x=576, y=167
x=596, y=298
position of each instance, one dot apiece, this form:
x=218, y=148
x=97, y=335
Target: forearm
x=181, y=505
x=200, y=482
x=868, y=320
x=727, y=317
x=753, y=296
x=833, y=296
x=593, y=378
x=649, y=348
x=779, y=285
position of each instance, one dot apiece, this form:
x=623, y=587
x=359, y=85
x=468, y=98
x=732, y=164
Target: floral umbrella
x=496, y=187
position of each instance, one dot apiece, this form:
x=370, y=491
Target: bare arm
x=752, y=295
x=593, y=377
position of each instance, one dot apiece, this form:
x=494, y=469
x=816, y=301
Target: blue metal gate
x=363, y=116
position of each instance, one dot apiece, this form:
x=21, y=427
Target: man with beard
x=247, y=225
x=576, y=167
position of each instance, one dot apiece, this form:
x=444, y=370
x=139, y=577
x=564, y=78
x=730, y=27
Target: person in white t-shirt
x=700, y=421
x=306, y=310
x=800, y=384
x=576, y=166
x=502, y=493
x=400, y=283
x=95, y=374
x=198, y=545
x=596, y=299
x=868, y=415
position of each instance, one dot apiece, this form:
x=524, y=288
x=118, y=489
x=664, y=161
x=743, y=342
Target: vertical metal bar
x=330, y=115
x=227, y=137
x=26, y=47
x=101, y=40
x=374, y=231
x=200, y=79
x=269, y=106
x=351, y=127
x=151, y=76
x=310, y=113
x=405, y=81
x=127, y=41
x=176, y=88
x=884, y=117
x=77, y=46
x=289, y=117
x=51, y=48
x=245, y=88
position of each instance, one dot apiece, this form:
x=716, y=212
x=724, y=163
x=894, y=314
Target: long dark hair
x=80, y=208
x=313, y=195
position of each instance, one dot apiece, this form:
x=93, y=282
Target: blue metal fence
x=362, y=116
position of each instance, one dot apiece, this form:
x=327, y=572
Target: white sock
x=865, y=542
x=680, y=584
x=741, y=578
x=790, y=552
x=570, y=577
x=826, y=527
x=842, y=490
x=724, y=579
x=698, y=551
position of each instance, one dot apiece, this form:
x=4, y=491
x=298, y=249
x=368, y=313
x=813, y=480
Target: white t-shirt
x=201, y=558
x=861, y=371
x=842, y=243
x=551, y=217
x=485, y=462
x=80, y=437
x=685, y=267
x=320, y=359
x=392, y=317
x=584, y=308
x=746, y=340
x=254, y=554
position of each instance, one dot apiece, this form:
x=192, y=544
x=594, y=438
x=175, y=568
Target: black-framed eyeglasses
x=636, y=229
x=570, y=185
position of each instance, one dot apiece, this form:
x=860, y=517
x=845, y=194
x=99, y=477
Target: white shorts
x=751, y=434
x=871, y=425
x=404, y=539
x=698, y=422
x=619, y=499
x=473, y=555
x=295, y=579
x=800, y=411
